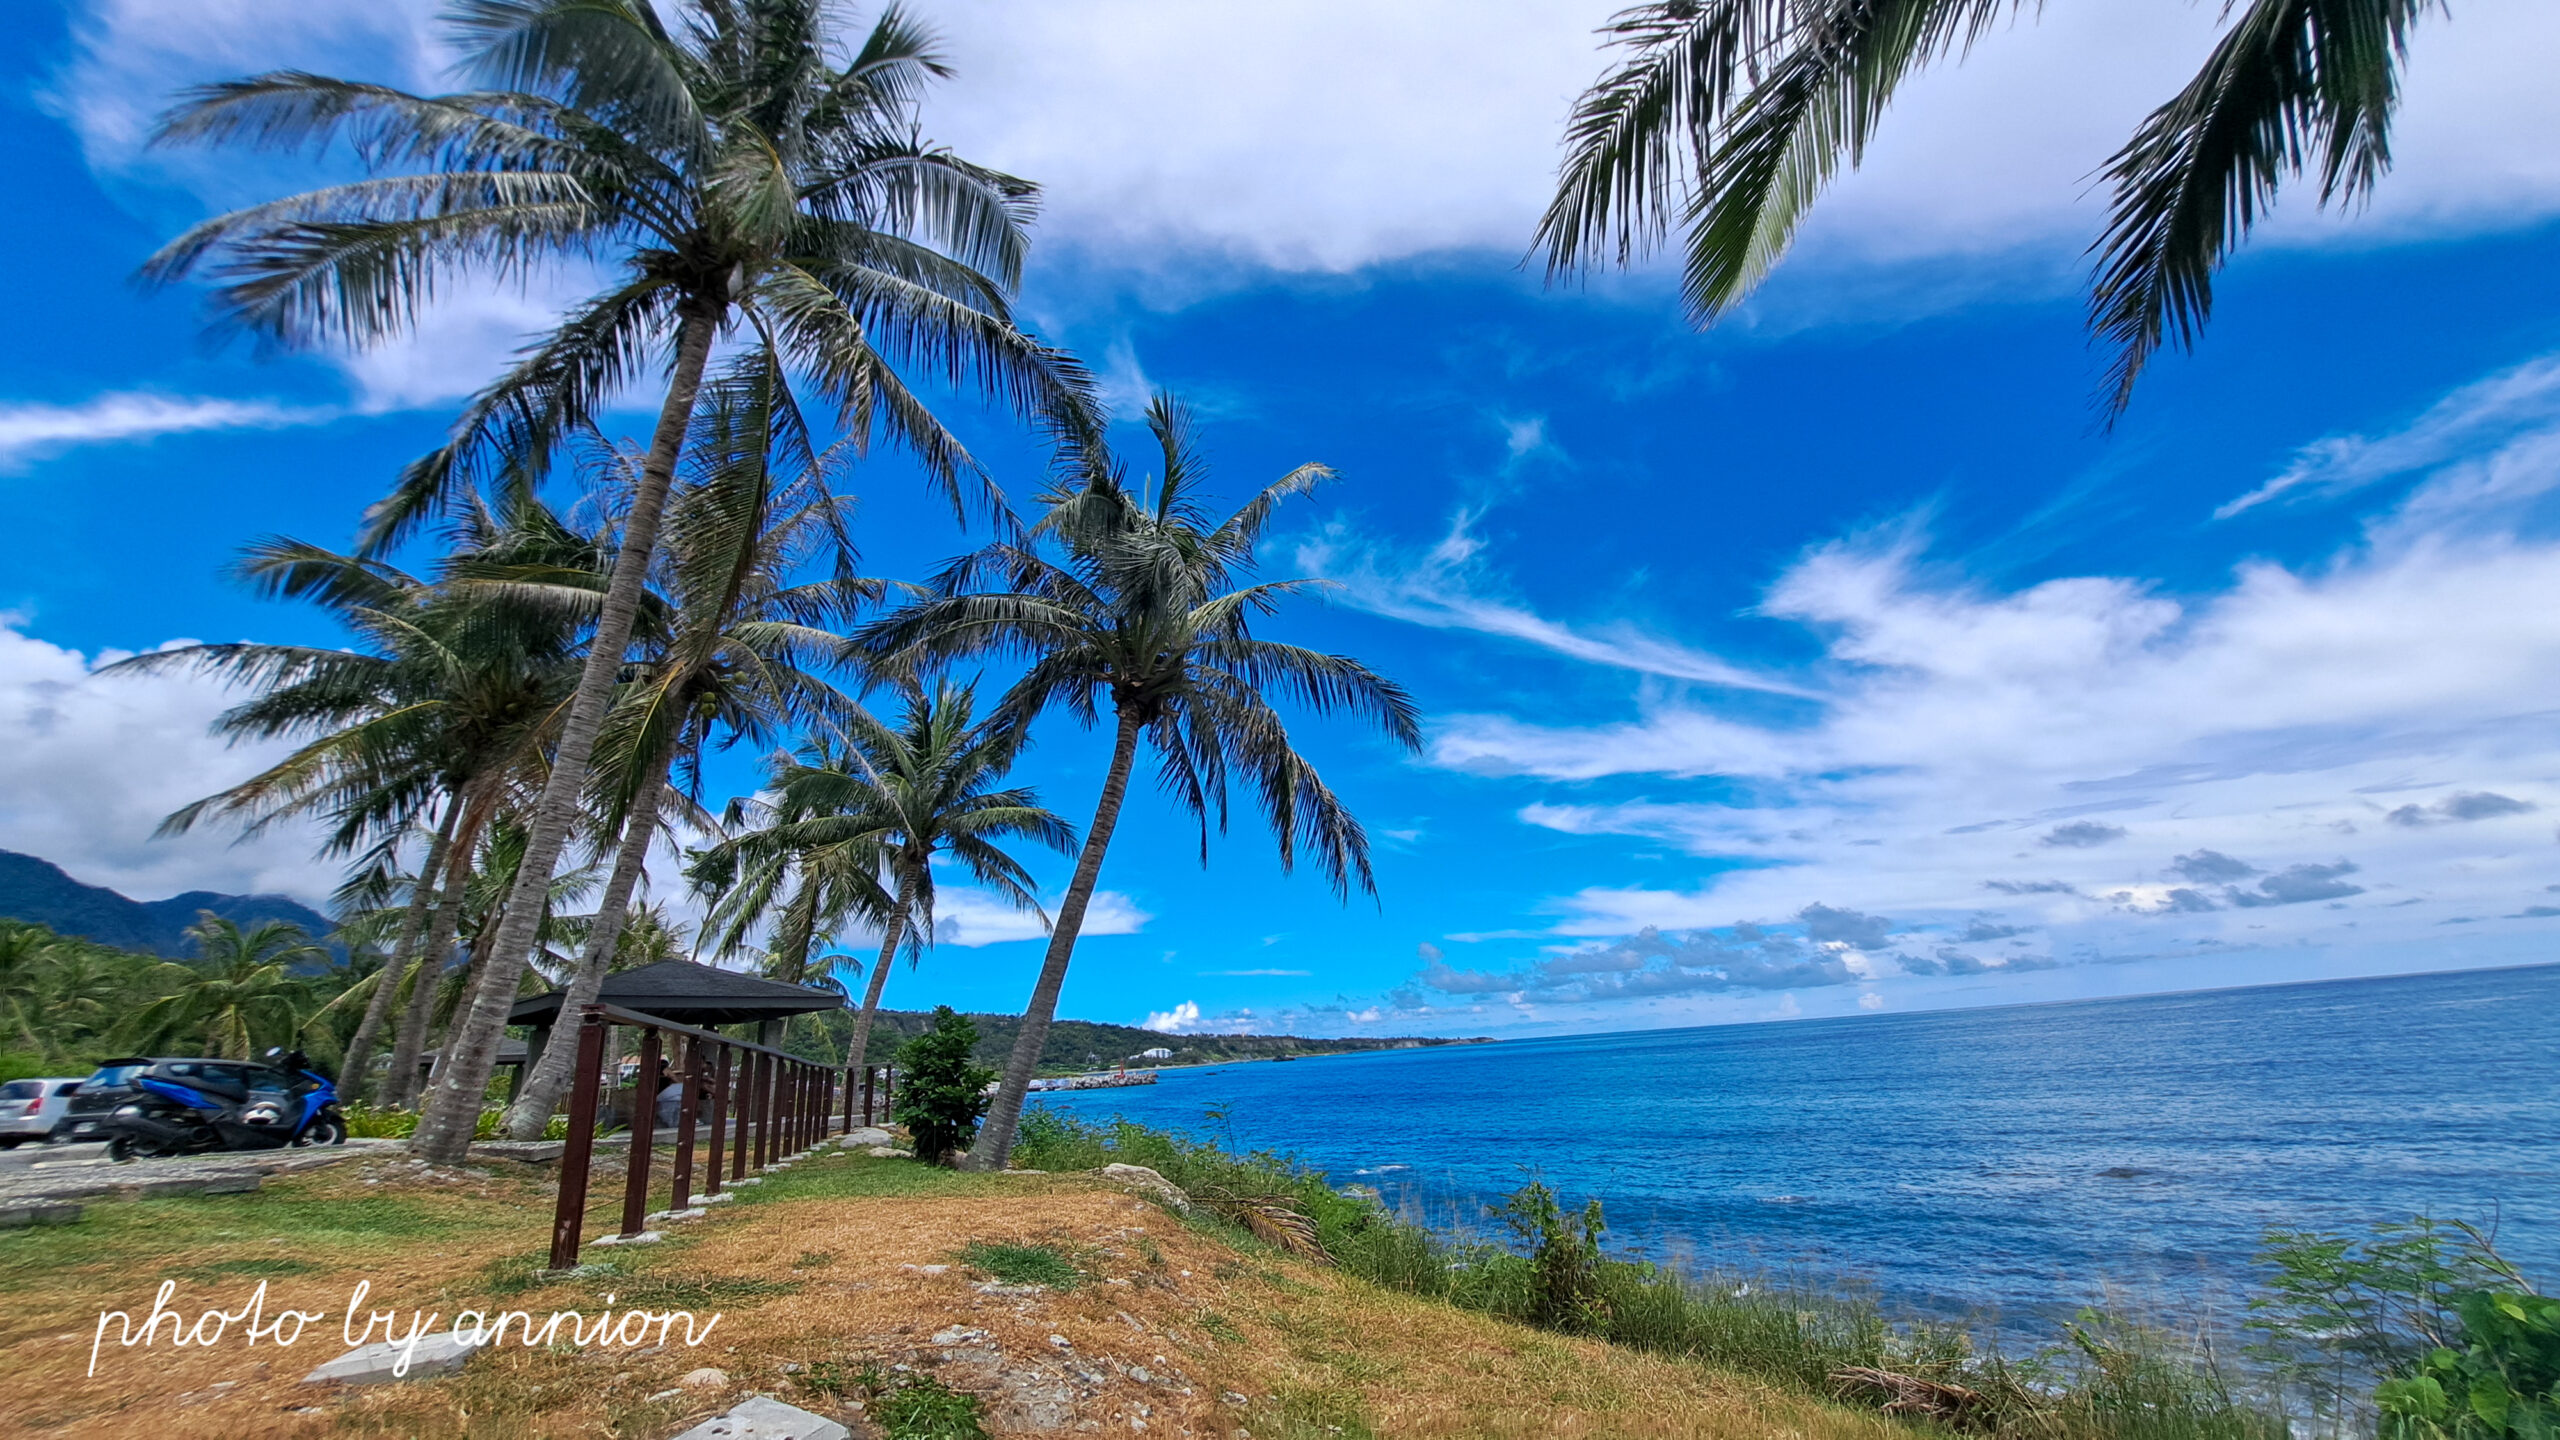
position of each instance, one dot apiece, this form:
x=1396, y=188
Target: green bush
x=2420, y=1328
x=367, y=1122
x=943, y=1093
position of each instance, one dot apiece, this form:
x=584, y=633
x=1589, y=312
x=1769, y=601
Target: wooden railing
x=744, y=1106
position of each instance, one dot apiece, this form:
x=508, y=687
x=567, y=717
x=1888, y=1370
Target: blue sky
x=1835, y=660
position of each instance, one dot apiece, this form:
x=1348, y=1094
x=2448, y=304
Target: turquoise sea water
x=2010, y=1162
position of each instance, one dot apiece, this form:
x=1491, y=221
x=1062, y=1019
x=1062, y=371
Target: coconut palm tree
x=1727, y=117
x=1144, y=613
x=445, y=708
x=241, y=995
x=899, y=795
x=743, y=171
x=742, y=637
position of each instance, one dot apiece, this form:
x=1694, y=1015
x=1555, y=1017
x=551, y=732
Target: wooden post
x=568, y=1217
x=742, y=1112
x=719, y=1117
x=687, y=1114
x=644, y=1134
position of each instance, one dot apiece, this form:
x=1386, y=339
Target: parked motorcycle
x=185, y=1107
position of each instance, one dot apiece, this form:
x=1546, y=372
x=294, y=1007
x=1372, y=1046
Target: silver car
x=29, y=1109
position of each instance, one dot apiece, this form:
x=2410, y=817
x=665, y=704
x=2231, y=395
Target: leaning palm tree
x=444, y=708
x=743, y=630
x=241, y=993
x=901, y=795
x=1727, y=118
x=1143, y=611
x=744, y=171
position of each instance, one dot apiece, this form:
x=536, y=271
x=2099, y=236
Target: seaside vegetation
x=2419, y=1331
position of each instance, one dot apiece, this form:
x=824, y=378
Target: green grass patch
x=918, y=1407
x=1023, y=1264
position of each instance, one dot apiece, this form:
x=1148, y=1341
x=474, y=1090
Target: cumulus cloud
x=2473, y=805
x=1224, y=138
x=2234, y=736
x=2212, y=867
x=89, y=764
x=969, y=917
x=1181, y=1019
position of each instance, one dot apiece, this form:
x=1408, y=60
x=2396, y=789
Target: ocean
x=2008, y=1165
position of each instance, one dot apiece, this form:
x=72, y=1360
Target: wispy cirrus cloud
x=2510, y=421
x=1443, y=588
x=31, y=429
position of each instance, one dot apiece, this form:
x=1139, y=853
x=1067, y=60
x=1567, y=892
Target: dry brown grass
x=825, y=1271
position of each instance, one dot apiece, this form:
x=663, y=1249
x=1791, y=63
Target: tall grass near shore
x=2102, y=1377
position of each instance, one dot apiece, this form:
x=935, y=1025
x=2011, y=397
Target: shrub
x=944, y=1094
x=1564, y=1258
x=2420, y=1328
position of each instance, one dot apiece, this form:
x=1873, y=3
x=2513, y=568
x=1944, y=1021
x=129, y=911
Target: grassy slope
x=813, y=1268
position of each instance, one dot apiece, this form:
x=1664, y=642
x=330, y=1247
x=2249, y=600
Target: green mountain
x=1079, y=1045
x=38, y=890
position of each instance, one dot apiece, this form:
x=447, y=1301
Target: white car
x=30, y=1108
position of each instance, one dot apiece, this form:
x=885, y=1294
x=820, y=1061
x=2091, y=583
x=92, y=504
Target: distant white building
x=1158, y=1053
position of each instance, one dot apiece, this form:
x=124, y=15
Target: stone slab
x=380, y=1363
x=764, y=1418
x=39, y=1212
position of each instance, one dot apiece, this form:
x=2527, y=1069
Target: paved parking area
x=32, y=1174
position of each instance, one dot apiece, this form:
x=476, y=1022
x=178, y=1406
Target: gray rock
x=1150, y=1184
x=765, y=1418
x=439, y=1354
x=17, y=1216
x=861, y=1136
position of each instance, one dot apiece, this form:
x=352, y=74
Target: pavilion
x=685, y=993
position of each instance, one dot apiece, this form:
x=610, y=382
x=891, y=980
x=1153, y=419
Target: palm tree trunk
x=422, y=895
x=995, y=1137
x=400, y=1084
x=444, y=1129
x=858, y=1053
x=542, y=1088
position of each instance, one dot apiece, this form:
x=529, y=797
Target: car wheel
x=327, y=1130
x=12, y=1142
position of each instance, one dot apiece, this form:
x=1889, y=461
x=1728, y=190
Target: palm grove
x=790, y=273
x=782, y=260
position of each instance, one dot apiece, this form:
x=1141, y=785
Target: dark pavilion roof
x=688, y=994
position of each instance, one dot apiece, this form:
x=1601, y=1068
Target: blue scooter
x=186, y=1107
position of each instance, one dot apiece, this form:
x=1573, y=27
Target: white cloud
x=1441, y=588
x=89, y=764
x=2344, y=756
x=970, y=917
x=2487, y=418
x=1225, y=139
x=29, y=429
x=1181, y=1019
